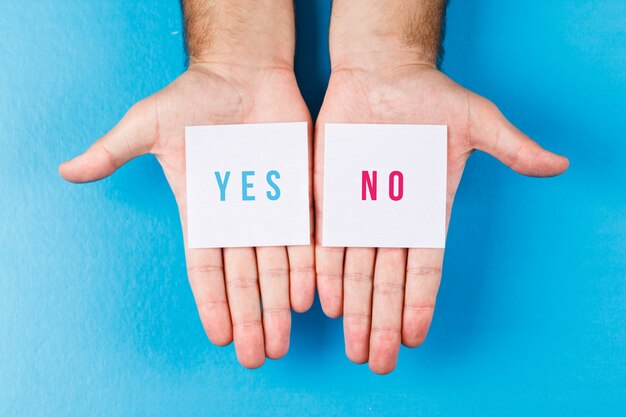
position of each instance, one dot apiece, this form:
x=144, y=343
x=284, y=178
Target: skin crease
x=387, y=296
x=221, y=87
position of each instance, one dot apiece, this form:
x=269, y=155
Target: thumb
x=131, y=137
x=491, y=132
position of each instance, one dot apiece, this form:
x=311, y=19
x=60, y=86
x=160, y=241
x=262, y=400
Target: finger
x=131, y=137
x=329, y=271
x=357, y=308
x=423, y=275
x=242, y=290
x=206, y=278
x=328, y=261
x=491, y=132
x=387, y=309
x=302, y=258
x=301, y=277
x=273, y=267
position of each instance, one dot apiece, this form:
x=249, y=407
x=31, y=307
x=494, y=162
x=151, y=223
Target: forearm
x=240, y=31
x=375, y=33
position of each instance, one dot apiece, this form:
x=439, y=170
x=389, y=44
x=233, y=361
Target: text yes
x=246, y=184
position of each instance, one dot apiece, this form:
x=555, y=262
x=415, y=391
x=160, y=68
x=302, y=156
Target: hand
x=387, y=296
x=225, y=283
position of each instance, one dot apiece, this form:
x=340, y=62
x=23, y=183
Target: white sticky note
x=247, y=185
x=384, y=185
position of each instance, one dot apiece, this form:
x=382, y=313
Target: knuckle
x=424, y=271
x=386, y=333
x=302, y=270
x=328, y=277
x=358, y=277
x=422, y=308
x=207, y=307
x=276, y=311
x=513, y=160
x=243, y=324
x=274, y=273
x=114, y=162
x=357, y=319
x=205, y=269
x=388, y=288
x=241, y=282
x=387, y=339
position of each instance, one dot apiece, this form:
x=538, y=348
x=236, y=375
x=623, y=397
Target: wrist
x=381, y=58
x=241, y=61
x=376, y=35
x=245, y=76
x=243, y=33
x=247, y=51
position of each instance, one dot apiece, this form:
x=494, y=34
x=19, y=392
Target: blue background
x=96, y=317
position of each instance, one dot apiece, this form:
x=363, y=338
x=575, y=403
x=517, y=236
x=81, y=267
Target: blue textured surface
x=96, y=317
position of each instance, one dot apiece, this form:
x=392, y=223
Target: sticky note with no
x=247, y=185
x=384, y=185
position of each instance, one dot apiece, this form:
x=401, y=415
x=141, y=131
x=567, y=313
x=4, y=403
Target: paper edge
x=325, y=244
x=305, y=126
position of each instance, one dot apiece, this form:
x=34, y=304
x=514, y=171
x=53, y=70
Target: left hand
x=387, y=296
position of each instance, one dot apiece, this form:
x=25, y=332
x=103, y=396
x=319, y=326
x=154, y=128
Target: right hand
x=229, y=284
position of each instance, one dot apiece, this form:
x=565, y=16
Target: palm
x=201, y=97
x=413, y=95
x=227, y=284
x=388, y=296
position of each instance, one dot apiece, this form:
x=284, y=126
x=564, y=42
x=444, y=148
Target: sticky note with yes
x=247, y=185
x=384, y=185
